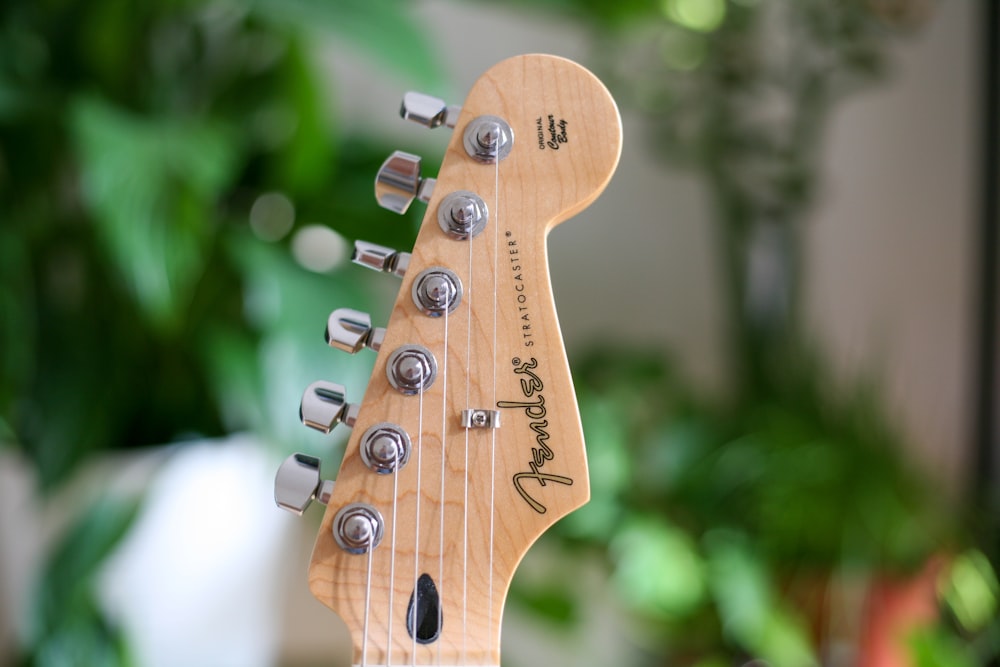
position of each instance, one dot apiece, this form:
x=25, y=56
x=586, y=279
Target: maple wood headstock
x=467, y=445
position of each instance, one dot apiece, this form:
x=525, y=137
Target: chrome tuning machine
x=380, y=258
x=350, y=330
x=399, y=182
x=324, y=405
x=488, y=139
x=298, y=483
x=429, y=111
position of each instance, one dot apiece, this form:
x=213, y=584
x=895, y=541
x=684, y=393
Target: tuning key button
x=429, y=111
x=436, y=291
x=358, y=527
x=385, y=448
x=398, y=182
x=462, y=214
x=411, y=369
x=380, y=258
x=350, y=330
x=488, y=139
x=324, y=405
x=298, y=483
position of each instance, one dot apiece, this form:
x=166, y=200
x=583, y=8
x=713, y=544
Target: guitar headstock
x=467, y=445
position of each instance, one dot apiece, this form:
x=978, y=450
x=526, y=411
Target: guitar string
x=392, y=558
x=493, y=433
x=444, y=432
x=416, y=541
x=465, y=475
x=368, y=594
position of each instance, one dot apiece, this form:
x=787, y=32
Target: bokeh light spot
x=272, y=216
x=971, y=590
x=698, y=15
x=318, y=248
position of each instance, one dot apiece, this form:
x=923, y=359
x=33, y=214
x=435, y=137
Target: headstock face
x=472, y=498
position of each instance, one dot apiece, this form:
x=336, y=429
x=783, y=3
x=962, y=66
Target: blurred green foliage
x=67, y=625
x=710, y=514
x=134, y=137
x=137, y=307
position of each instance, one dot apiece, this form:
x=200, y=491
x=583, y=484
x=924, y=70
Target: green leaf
x=933, y=647
x=750, y=611
x=305, y=162
x=151, y=186
x=383, y=30
x=86, y=639
x=68, y=627
x=971, y=590
x=658, y=568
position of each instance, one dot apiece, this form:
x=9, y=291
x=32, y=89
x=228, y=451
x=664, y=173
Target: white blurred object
x=200, y=579
x=23, y=536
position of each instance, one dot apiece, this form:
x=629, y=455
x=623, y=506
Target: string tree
x=478, y=418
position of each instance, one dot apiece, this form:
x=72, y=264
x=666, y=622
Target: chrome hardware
x=488, y=139
x=324, y=405
x=385, y=448
x=411, y=369
x=398, y=182
x=462, y=214
x=429, y=111
x=436, y=290
x=350, y=330
x=357, y=528
x=380, y=258
x=480, y=419
x=298, y=483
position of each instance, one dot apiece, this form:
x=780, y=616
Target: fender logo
x=531, y=387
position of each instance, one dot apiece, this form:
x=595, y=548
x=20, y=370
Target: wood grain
x=469, y=527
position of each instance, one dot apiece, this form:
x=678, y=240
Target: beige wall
x=891, y=244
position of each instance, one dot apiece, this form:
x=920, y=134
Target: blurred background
x=780, y=317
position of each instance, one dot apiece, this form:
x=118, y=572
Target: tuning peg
x=298, y=483
x=429, y=111
x=350, y=330
x=398, y=182
x=324, y=405
x=380, y=258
